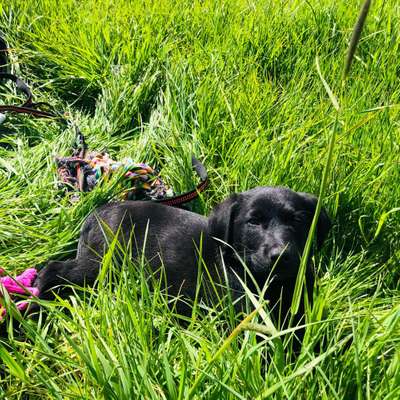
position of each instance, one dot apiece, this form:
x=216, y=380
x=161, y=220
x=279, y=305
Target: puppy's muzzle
x=277, y=259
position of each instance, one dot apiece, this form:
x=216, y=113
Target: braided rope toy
x=20, y=285
x=139, y=182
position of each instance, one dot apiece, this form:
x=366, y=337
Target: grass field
x=235, y=83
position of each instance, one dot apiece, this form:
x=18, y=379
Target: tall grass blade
x=355, y=37
x=328, y=90
x=298, y=289
x=15, y=368
x=221, y=350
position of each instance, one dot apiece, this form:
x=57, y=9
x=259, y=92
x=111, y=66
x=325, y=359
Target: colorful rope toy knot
x=139, y=181
x=20, y=285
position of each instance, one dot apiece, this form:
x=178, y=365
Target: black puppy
x=265, y=227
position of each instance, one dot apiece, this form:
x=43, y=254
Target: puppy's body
x=266, y=227
x=169, y=238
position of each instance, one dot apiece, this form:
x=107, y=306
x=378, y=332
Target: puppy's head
x=268, y=228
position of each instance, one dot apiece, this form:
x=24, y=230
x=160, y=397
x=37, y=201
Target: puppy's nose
x=275, y=254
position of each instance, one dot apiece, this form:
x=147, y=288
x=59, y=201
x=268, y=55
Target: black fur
x=266, y=226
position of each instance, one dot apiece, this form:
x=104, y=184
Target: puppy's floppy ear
x=221, y=220
x=324, y=223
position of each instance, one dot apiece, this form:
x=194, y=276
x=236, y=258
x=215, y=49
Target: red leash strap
x=188, y=196
x=27, y=110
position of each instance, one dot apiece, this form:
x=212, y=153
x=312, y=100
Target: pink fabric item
x=22, y=284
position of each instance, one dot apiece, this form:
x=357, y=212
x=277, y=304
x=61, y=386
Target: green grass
x=236, y=84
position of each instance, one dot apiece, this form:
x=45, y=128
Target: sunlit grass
x=236, y=84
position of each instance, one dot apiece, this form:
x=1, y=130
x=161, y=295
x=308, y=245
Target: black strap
x=81, y=147
x=21, y=85
x=28, y=107
x=3, y=55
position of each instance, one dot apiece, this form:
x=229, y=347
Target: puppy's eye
x=300, y=216
x=254, y=221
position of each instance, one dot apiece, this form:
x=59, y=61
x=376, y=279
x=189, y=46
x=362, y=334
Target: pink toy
x=22, y=284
